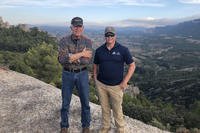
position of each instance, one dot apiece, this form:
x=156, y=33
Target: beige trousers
x=111, y=97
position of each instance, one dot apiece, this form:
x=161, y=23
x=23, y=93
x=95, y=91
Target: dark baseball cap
x=77, y=21
x=109, y=30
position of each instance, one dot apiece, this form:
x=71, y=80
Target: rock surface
x=28, y=105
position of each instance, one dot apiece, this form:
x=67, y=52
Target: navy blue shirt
x=111, y=63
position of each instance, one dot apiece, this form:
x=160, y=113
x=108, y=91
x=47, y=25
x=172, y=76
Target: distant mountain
x=56, y=31
x=60, y=31
x=188, y=29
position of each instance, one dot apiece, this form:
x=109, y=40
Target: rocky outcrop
x=24, y=27
x=4, y=24
x=132, y=90
x=28, y=105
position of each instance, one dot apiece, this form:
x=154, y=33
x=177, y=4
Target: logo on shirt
x=116, y=53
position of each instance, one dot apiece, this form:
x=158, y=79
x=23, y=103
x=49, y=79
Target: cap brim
x=78, y=24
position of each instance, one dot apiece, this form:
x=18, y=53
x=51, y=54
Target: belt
x=75, y=70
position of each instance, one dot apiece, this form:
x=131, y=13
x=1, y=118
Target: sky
x=99, y=12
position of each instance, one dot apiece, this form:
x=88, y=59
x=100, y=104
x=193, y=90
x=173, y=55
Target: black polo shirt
x=111, y=63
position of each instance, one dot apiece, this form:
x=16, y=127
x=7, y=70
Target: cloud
x=148, y=22
x=78, y=3
x=190, y=1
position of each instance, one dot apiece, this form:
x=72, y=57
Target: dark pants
x=80, y=80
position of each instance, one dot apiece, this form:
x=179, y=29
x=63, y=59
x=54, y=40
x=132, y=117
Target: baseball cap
x=109, y=30
x=77, y=21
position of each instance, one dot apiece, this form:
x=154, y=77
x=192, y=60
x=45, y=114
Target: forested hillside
x=32, y=52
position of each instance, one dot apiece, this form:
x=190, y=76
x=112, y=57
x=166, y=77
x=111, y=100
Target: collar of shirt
x=115, y=46
x=73, y=37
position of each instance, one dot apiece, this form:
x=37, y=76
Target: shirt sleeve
x=83, y=60
x=63, y=53
x=96, y=59
x=128, y=57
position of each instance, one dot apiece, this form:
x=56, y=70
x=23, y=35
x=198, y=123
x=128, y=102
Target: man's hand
x=123, y=85
x=86, y=53
x=75, y=57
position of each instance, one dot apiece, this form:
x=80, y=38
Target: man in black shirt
x=108, y=73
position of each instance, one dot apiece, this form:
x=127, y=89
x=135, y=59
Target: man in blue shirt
x=108, y=75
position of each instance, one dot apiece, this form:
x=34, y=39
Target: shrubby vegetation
x=31, y=52
x=43, y=61
x=160, y=114
x=17, y=40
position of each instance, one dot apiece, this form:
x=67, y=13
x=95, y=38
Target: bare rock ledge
x=28, y=105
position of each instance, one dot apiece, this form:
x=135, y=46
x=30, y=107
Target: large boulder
x=28, y=105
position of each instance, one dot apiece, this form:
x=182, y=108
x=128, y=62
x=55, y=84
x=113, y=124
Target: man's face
x=77, y=30
x=110, y=38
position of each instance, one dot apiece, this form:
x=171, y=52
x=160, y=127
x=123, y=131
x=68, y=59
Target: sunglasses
x=109, y=35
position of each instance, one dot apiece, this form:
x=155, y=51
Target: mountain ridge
x=187, y=28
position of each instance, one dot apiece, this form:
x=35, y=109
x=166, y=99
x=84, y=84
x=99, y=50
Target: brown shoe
x=64, y=130
x=86, y=130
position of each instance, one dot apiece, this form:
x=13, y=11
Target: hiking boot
x=64, y=130
x=86, y=130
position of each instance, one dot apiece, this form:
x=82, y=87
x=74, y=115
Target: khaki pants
x=111, y=95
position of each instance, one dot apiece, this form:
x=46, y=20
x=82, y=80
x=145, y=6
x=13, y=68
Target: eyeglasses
x=109, y=35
